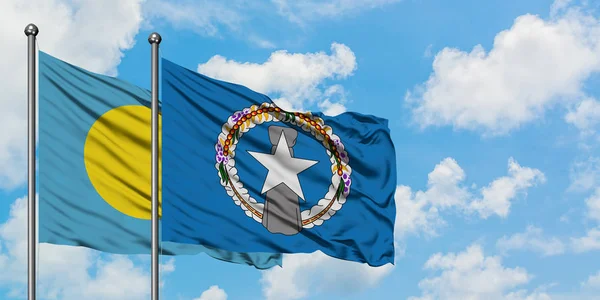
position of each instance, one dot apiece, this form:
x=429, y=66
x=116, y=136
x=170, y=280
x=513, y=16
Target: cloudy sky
x=493, y=110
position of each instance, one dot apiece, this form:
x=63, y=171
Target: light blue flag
x=245, y=175
x=94, y=166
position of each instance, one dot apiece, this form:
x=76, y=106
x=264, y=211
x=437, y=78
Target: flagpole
x=154, y=40
x=31, y=32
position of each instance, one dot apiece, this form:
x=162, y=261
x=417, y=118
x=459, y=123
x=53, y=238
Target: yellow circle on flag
x=117, y=156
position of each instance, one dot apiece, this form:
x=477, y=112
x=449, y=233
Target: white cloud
x=308, y=10
x=203, y=17
x=525, y=295
x=420, y=211
x=70, y=30
x=69, y=272
x=214, y=18
x=593, y=282
x=116, y=279
x=213, y=293
x=585, y=116
x=261, y=42
x=443, y=184
x=589, y=242
x=532, y=66
x=559, y=6
x=472, y=275
x=593, y=205
x=308, y=274
x=496, y=197
x=335, y=98
x=415, y=214
x=331, y=109
x=585, y=174
x=296, y=78
x=167, y=267
x=428, y=51
x=532, y=239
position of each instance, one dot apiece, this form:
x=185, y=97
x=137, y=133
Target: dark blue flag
x=242, y=174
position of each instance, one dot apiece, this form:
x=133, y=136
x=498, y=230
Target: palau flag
x=94, y=166
x=245, y=175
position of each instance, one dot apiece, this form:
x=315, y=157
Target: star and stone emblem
x=279, y=212
x=282, y=186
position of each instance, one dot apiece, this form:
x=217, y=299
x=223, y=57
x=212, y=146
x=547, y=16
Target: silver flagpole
x=31, y=32
x=154, y=40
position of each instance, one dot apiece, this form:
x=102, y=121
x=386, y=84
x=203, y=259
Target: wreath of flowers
x=242, y=121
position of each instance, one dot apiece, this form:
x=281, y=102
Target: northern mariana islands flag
x=245, y=175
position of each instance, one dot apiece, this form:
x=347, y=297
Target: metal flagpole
x=154, y=40
x=31, y=32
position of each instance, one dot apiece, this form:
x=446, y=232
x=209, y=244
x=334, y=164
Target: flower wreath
x=242, y=121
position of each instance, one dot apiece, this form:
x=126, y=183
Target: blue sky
x=492, y=106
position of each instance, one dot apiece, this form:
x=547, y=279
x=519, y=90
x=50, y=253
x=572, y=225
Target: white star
x=283, y=168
